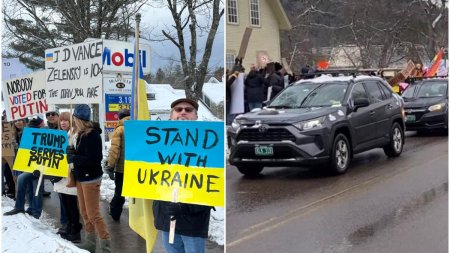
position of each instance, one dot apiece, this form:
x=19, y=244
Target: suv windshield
x=293, y=96
x=329, y=94
x=432, y=89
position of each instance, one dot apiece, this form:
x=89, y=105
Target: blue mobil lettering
x=122, y=59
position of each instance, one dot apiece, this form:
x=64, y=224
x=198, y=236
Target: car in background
x=325, y=120
x=426, y=105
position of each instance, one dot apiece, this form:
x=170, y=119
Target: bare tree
x=186, y=26
x=384, y=31
x=34, y=26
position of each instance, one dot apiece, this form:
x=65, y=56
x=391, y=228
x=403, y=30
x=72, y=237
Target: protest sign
x=7, y=139
x=74, y=73
x=25, y=96
x=244, y=42
x=43, y=149
x=163, y=155
x=237, y=93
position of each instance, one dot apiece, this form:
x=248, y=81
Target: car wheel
x=340, y=154
x=396, y=141
x=250, y=171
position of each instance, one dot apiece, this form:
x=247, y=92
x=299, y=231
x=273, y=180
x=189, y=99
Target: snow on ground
x=21, y=233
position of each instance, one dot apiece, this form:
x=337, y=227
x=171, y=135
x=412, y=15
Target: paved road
x=381, y=205
x=123, y=238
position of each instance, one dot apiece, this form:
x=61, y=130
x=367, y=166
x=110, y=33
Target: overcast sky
x=157, y=19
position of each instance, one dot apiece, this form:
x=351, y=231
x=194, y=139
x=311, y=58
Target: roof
x=214, y=91
x=166, y=94
x=280, y=14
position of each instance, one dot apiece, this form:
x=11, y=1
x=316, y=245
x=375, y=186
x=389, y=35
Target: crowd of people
x=261, y=85
x=79, y=193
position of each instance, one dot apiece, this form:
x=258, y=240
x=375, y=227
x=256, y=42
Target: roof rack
x=338, y=72
x=419, y=78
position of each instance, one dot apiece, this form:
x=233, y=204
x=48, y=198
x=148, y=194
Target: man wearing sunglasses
x=183, y=109
x=192, y=224
x=52, y=119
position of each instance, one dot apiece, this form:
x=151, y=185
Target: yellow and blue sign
x=163, y=155
x=43, y=149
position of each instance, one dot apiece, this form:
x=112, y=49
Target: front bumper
x=426, y=120
x=291, y=149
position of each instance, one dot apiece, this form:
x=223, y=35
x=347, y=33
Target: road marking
x=277, y=221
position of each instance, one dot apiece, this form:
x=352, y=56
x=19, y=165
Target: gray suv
x=325, y=120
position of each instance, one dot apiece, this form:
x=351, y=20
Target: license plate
x=411, y=118
x=264, y=150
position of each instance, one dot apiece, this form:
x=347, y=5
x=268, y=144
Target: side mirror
x=360, y=102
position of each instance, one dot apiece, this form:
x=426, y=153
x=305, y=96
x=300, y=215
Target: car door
x=380, y=109
x=361, y=121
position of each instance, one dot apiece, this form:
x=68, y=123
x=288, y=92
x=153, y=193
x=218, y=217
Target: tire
x=250, y=171
x=340, y=154
x=396, y=141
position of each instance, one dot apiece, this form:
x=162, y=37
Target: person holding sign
x=27, y=181
x=86, y=157
x=68, y=197
x=116, y=160
x=192, y=221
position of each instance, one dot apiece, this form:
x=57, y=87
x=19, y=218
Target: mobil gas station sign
x=118, y=57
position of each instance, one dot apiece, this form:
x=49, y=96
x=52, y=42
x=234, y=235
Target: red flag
x=432, y=70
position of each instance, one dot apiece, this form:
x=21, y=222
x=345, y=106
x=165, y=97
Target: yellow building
x=266, y=18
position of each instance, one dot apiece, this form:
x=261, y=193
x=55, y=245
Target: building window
x=254, y=12
x=151, y=96
x=230, y=60
x=232, y=12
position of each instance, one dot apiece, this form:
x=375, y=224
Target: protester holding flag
x=86, y=157
x=192, y=221
x=116, y=160
x=68, y=196
x=27, y=181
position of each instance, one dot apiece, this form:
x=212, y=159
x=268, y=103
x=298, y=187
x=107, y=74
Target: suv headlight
x=309, y=124
x=437, y=107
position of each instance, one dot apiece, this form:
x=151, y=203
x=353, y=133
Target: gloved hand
x=110, y=172
x=175, y=210
x=70, y=151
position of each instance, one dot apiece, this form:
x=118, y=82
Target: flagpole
x=136, y=66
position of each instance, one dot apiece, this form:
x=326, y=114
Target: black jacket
x=194, y=222
x=87, y=161
x=255, y=87
x=277, y=82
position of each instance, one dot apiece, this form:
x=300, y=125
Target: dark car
x=426, y=104
x=321, y=120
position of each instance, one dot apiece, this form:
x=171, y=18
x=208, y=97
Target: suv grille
x=272, y=134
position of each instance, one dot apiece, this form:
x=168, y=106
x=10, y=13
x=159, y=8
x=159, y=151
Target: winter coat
x=229, y=83
x=276, y=82
x=87, y=161
x=116, y=156
x=194, y=222
x=255, y=86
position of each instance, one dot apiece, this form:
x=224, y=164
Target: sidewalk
x=123, y=239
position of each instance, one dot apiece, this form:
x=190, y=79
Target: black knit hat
x=124, y=113
x=35, y=122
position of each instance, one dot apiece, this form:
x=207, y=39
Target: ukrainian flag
x=49, y=57
x=140, y=210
